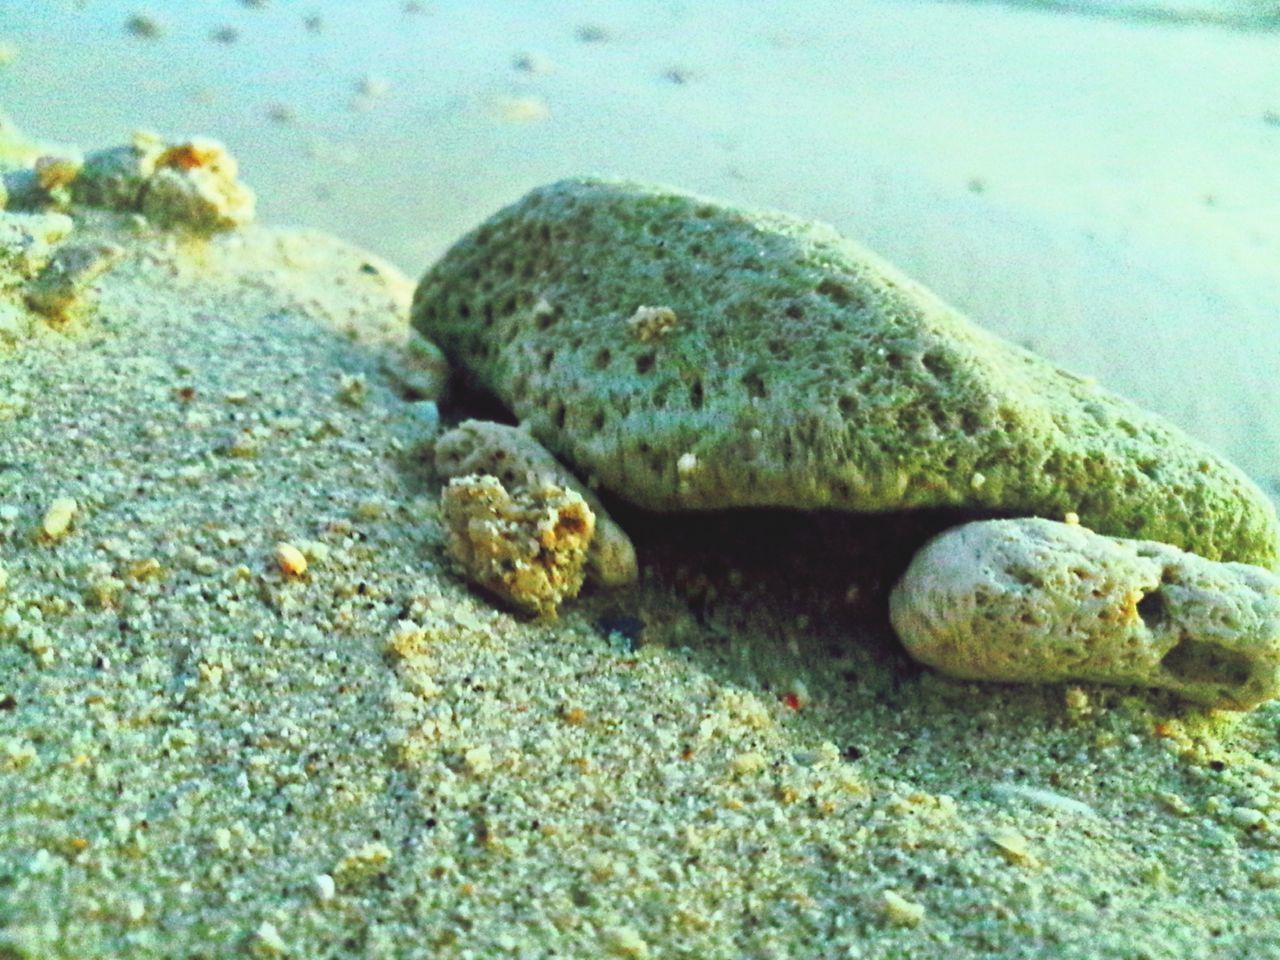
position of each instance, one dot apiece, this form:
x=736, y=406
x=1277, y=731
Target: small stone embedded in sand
x=520, y=462
x=625, y=942
x=63, y=282
x=58, y=517
x=267, y=940
x=522, y=109
x=144, y=26
x=323, y=887
x=527, y=547
x=373, y=87
x=592, y=33
x=1032, y=600
x=532, y=63
x=804, y=373
x=291, y=561
x=900, y=911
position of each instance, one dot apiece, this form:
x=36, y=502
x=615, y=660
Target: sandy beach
x=248, y=705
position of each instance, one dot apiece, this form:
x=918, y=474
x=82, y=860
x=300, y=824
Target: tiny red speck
x=791, y=700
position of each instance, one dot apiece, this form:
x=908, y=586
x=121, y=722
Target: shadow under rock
x=772, y=596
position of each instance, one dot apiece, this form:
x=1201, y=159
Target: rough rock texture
x=794, y=368
x=1033, y=600
x=520, y=462
x=66, y=278
x=190, y=185
x=527, y=546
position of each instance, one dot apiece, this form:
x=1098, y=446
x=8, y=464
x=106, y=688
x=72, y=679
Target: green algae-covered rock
x=687, y=355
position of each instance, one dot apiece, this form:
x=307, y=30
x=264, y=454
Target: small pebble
x=268, y=940
x=57, y=519
x=323, y=887
x=625, y=942
x=528, y=109
x=373, y=86
x=291, y=560
x=1012, y=845
x=1247, y=817
x=900, y=911
x=144, y=26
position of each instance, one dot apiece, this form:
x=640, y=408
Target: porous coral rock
x=804, y=372
x=527, y=546
x=1032, y=600
x=520, y=462
x=195, y=187
x=191, y=185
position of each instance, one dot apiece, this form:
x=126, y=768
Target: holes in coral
x=507, y=266
x=1194, y=661
x=705, y=212
x=847, y=405
x=548, y=358
x=837, y=293
x=696, y=394
x=779, y=348
x=546, y=319
x=938, y=364
x=602, y=358
x=794, y=311
x=558, y=415
x=598, y=420
x=645, y=362
x=754, y=382
x=488, y=314
x=464, y=310
x=509, y=306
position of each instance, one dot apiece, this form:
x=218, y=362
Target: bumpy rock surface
x=1032, y=600
x=527, y=546
x=777, y=364
x=520, y=462
x=190, y=185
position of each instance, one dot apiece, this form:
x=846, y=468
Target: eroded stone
x=1031, y=600
x=527, y=546
x=520, y=462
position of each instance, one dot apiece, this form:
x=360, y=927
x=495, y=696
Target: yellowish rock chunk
x=526, y=546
